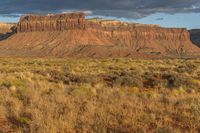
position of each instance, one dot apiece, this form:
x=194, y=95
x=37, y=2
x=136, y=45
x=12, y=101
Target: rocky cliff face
x=60, y=22
x=72, y=34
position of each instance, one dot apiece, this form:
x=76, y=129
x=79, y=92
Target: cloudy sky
x=168, y=13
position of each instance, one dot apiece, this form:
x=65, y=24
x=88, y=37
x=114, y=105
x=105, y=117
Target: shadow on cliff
x=6, y=35
x=195, y=36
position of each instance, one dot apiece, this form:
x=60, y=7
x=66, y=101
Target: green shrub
x=6, y=84
x=187, y=67
x=57, y=76
x=124, y=78
x=177, y=81
x=68, y=78
x=24, y=120
x=153, y=80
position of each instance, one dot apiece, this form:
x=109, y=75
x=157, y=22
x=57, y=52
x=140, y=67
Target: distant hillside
x=6, y=30
x=6, y=27
x=195, y=36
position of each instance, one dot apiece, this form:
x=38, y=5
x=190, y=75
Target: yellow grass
x=100, y=95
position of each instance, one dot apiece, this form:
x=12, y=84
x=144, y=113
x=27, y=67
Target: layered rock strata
x=60, y=22
x=71, y=34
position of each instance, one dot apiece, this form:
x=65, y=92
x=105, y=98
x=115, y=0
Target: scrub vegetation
x=99, y=95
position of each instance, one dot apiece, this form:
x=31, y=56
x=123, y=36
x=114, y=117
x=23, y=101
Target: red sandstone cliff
x=72, y=34
x=60, y=22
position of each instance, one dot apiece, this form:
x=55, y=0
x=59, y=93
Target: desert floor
x=99, y=95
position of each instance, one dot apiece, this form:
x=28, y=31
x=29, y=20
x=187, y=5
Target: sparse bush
x=124, y=79
x=6, y=84
x=57, y=76
x=187, y=67
x=154, y=80
x=177, y=81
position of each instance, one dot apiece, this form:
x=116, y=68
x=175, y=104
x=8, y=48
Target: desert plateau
x=72, y=35
x=99, y=66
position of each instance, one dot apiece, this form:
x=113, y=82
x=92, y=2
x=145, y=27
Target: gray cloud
x=116, y=8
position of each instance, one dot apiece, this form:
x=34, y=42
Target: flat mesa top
x=32, y=17
x=80, y=17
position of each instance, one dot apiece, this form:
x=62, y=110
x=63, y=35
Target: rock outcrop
x=51, y=22
x=71, y=34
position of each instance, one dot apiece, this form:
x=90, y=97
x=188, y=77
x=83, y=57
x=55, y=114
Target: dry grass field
x=99, y=95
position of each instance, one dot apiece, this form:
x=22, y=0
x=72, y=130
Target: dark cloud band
x=116, y=8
